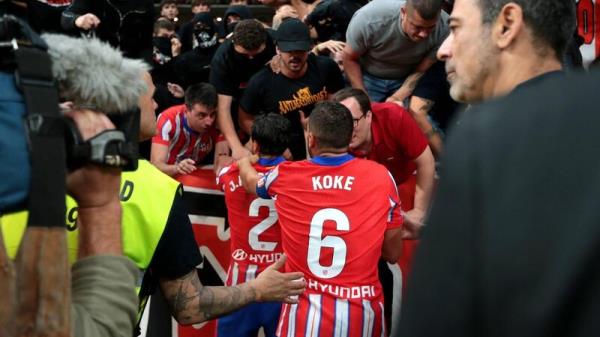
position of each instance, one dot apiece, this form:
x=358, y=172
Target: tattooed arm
x=419, y=109
x=411, y=81
x=192, y=303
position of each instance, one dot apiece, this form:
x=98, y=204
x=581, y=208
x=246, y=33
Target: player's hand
x=413, y=222
x=186, y=166
x=273, y=285
x=175, y=46
x=275, y=64
x=176, y=90
x=87, y=21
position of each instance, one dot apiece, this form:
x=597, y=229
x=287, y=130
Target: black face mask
x=163, y=44
x=206, y=37
x=231, y=26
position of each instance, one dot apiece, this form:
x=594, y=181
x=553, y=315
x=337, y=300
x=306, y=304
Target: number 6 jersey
x=333, y=213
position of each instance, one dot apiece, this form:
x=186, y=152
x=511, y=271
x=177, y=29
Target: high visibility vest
x=146, y=196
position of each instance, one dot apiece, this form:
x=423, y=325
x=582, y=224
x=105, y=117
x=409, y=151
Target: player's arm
x=192, y=303
x=222, y=157
x=424, y=188
x=411, y=81
x=352, y=67
x=158, y=157
x=226, y=126
x=419, y=109
x=392, y=245
x=248, y=174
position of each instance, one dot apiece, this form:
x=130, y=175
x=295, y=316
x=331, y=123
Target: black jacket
x=126, y=24
x=512, y=247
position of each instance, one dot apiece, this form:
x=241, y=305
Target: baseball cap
x=293, y=35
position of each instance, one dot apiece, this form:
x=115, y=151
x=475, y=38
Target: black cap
x=293, y=35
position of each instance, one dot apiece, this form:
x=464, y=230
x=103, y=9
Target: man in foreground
x=502, y=262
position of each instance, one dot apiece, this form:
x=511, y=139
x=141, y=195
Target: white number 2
x=262, y=226
x=315, y=243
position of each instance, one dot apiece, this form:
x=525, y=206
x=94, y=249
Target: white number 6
x=315, y=243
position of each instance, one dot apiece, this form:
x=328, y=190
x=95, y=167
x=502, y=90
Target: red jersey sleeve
x=165, y=128
x=394, y=219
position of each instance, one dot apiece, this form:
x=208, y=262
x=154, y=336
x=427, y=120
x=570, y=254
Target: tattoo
x=192, y=303
x=412, y=82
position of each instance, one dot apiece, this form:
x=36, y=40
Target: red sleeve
x=409, y=138
x=394, y=219
x=165, y=128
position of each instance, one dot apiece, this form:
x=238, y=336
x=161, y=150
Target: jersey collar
x=332, y=161
x=270, y=161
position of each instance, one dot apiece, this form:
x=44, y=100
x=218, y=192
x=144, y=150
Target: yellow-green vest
x=146, y=196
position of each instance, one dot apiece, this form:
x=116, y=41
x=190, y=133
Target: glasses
x=356, y=120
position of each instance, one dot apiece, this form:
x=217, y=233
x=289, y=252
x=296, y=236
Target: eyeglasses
x=356, y=120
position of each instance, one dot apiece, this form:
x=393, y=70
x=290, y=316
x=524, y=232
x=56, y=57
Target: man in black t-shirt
x=236, y=60
x=303, y=80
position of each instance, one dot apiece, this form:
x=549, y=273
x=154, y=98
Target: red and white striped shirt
x=183, y=142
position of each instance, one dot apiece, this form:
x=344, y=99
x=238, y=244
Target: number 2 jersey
x=333, y=213
x=255, y=233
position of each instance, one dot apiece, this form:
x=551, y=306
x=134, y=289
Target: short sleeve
x=164, y=130
x=177, y=252
x=220, y=76
x=394, y=217
x=358, y=34
x=251, y=100
x=333, y=76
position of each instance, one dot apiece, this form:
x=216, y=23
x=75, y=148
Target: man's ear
x=508, y=26
x=254, y=147
x=311, y=140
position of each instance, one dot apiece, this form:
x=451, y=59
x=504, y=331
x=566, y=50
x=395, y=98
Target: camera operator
x=102, y=305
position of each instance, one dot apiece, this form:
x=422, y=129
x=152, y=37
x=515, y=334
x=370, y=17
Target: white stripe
x=173, y=141
x=382, y=319
x=164, y=132
x=271, y=177
x=292, y=321
x=397, y=285
x=313, y=321
x=235, y=270
x=368, y=317
x=391, y=211
x=342, y=308
x=251, y=272
x=188, y=137
x=281, y=319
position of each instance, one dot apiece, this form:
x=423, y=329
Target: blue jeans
x=379, y=88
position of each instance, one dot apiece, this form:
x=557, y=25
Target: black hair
x=427, y=9
x=331, y=124
x=359, y=95
x=272, y=133
x=163, y=23
x=249, y=34
x=163, y=3
x=551, y=22
x=201, y=93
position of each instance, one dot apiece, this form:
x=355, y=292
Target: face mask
x=163, y=44
x=231, y=26
x=205, y=38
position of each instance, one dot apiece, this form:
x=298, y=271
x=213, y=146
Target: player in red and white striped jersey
x=338, y=215
x=255, y=233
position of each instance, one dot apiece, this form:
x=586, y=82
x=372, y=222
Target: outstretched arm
x=192, y=303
